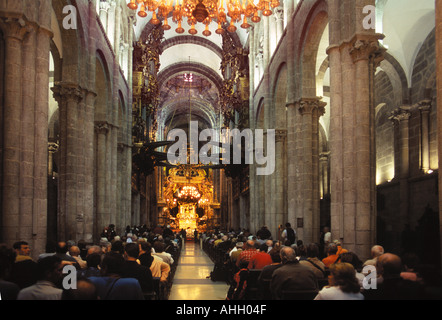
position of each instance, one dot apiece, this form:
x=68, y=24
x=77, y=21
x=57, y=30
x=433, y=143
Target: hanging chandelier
x=205, y=12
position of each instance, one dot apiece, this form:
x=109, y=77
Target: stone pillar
x=89, y=135
x=104, y=7
x=279, y=21
x=311, y=109
x=68, y=96
x=401, y=117
x=279, y=192
x=324, y=174
x=425, y=108
x=15, y=31
x=354, y=54
x=102, y=215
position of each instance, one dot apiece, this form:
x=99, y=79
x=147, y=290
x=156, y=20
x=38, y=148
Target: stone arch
x=260, y=114
x=103, y=90
x=74, y=41
x=280, y=97
x=397, y=77
x=313, y=31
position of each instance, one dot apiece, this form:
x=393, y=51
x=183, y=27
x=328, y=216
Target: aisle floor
x=191, y=282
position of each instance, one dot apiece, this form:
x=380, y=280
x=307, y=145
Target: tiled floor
x=190, y=281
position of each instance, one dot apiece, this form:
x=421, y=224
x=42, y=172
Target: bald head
x=389, y=265
x=287, y=254
x=377, y=251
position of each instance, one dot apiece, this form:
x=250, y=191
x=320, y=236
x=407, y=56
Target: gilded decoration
x=189, y=195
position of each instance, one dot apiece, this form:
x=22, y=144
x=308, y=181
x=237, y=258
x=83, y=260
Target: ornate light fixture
x=204, y=11
x=188, y=194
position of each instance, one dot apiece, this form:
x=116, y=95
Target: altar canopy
x=189, y=197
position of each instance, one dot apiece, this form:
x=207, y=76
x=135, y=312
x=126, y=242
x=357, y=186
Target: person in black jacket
x=132, y=269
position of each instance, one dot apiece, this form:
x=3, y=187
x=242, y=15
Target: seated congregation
x=138, y=265
x=258, y=268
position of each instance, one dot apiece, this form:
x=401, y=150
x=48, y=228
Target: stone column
x=104, y=7
x=102, y=213
x=89, y=135
x=279, y=21
x=68, y=96
x=311, y=109
x=324, y=174
x=15, y=31
x=401, y=117
x=279, y=193
x=354, y=54
x=425, y=108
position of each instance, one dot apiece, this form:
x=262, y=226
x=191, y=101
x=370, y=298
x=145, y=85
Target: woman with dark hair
x=343, y=284
x=353, y=259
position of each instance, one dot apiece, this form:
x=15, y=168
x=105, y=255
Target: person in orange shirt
x=340, y=249
x=332, y=255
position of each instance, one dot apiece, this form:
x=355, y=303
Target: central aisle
x=190, y=281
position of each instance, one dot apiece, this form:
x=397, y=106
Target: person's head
x=22, y=248
x=353, y=259
x=61, y=247
x=377, y=251
x=332, y=249
x=93, y=260
x=85, y=291
x=158, y=246
x=94, y=249
x=131, y=251
x=263, y=248
x=145, y=247
x=112, y=264
x=302, y=251
x=275, y=255
x=343, y=275
x=288, y=225
x=326, y=229
x=288, y=254
x=389, y=265
x=74, y=251
x=117, y=246
x=50, y=269
x=269, y=243
x=312, y=250
x=240, y=245
x=7, y=259
x=250, y=244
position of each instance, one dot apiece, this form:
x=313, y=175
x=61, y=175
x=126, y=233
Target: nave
x=190, y=281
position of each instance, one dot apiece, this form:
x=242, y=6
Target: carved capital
x=310, y=105
x=67, y=92
x=280, y=135
x=401, y=114
x=16, y=28
x=101, y=127
x=424, y=106
x=367, y=48
x=53, y=147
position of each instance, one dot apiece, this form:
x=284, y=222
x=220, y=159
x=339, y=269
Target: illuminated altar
x=188, y=193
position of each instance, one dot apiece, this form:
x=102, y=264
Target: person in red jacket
x=261, y=259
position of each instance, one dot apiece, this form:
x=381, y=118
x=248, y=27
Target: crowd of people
x=259, y=267
x=137, y=265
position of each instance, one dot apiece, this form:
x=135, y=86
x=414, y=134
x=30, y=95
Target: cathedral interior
x=92, y=89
